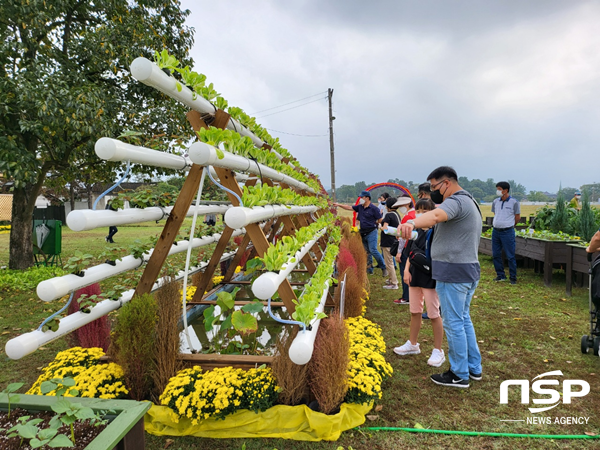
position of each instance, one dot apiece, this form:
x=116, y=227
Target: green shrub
x=587, y=224
x=134, y=344
x=560, y=218
x=27, y=280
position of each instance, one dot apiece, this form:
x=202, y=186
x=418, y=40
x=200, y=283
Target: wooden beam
x=212, y=265
x=170, y=231
x=237, y=258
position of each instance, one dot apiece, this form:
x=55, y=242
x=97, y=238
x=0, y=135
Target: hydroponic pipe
x=267, y=284
x=87, y=219
x=206, y=155
x=150, y=74
x=240, y=215
x=482, y=433
x=57, y=287
x=27, y=343
x=303, y=345
x=114, y=150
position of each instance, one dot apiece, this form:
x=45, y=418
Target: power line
x=293, y=107
x=301, y=135
x=285, y=104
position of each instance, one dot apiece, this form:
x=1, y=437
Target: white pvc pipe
x=57, y=287
x=114, y=150
x=150, y=74
x=88, y=219
x=267, y=284
x=206, y=155
x=27, y=343
x=242, y=215
x=303, y=345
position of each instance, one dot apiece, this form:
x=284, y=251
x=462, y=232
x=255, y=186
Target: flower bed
x=229, y=402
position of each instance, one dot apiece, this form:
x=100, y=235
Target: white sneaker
x=437, y=358
x=408, y=349
x=391, y=286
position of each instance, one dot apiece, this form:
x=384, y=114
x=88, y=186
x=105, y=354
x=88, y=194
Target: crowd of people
x=435, y=243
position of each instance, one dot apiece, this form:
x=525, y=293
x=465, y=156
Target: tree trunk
x=21, y=245
x=72, y=196
x=90, y=197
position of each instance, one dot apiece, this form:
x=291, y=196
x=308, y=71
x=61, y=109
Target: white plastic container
x=242, y=215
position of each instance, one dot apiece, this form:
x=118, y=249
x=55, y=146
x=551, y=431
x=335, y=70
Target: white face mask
x=418, y=214
x=403, y=209
x=361, y=201
x=499, y=193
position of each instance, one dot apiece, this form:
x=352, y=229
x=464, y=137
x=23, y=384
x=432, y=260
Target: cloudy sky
x=502, y=90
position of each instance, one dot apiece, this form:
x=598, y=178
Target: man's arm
x=594, y=243
x=427, y=220
x=517, y=218
x=346, y=207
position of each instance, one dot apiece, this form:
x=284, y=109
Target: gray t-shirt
x=505, y=212
x=454, y=250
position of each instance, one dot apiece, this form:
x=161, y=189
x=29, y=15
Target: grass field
x=523, y=331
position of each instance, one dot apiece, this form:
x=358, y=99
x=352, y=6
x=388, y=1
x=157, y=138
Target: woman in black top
x=391, y=219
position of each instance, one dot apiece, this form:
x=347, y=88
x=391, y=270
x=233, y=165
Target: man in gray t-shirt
x=455, y=267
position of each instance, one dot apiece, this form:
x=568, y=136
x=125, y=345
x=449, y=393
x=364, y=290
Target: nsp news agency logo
x=539, y=386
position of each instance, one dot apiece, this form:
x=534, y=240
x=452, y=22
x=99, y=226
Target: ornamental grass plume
x=345, y=260
x=354, y=293
x=290, y=377
x=168, y=301
x=356, y=247
x=346, y=228
x=94, y=334
x=133, y=344
x=327, y=369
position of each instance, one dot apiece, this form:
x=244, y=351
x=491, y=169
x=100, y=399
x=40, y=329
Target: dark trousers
x=403, y=259
x=111, y=232
x=504, y=240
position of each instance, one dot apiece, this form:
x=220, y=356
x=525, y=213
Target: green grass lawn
x=523, y=331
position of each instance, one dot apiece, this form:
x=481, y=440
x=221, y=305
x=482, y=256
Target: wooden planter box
x=485, y=246
x=546, y=253
x=124, y=432
x=578, y=266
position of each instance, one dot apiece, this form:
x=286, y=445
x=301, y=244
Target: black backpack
x=422, y=259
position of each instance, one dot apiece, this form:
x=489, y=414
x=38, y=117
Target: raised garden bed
x=124, y=432
x=544, y=253
x=578, y=266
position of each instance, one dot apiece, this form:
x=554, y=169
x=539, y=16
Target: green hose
x=478, y=433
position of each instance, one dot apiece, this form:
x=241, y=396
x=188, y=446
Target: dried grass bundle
x=327, y=369
x=289, y=376
x=353, y=296
x=168, y=301
x=359, y=254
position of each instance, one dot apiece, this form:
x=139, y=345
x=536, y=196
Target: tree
x=560, y=219
x=586, y=220
x=64, y=83
x=537, y=196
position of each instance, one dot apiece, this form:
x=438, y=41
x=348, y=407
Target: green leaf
x=253, y=307
x=60, y=441
x=85, y=413
x=209, y=318
x=226, y=324
x=13, y=387
x=220, y=153
x=244, y=323
x=47, y=386
x=36, y=443
x=48, y=433
x=225, y=301
x=27, y=431
x=61, y=406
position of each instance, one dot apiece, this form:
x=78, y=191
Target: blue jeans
x=370, y=243
x=504, y=240
x=463, y=351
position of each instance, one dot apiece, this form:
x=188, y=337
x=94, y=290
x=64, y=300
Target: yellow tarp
x=287, y=422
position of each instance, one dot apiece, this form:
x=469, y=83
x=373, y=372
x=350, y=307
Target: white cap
x=402, y=201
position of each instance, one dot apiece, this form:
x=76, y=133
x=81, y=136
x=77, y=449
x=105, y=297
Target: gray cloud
x=503, y=90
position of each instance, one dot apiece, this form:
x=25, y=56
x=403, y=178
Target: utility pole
x=331, y=148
